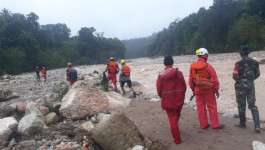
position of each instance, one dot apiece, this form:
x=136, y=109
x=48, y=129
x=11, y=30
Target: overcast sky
x=123, y=19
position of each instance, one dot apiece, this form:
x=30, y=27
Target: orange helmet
x=37, y=67
x=69, y=64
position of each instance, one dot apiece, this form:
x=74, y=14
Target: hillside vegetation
x=24, y=43
x=221, y=28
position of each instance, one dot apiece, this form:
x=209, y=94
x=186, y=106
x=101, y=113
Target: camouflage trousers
x=241, y=99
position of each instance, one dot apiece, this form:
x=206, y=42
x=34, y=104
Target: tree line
x=222, y=28
x=24, y=43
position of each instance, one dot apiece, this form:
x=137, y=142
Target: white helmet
x=201, y=51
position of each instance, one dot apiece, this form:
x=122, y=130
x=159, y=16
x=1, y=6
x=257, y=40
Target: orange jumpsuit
x=206, y=99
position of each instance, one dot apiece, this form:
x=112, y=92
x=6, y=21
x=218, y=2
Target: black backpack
x=72, y=74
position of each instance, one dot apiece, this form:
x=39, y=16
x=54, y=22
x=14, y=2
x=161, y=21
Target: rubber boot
x=242, y=118
x=255, y=115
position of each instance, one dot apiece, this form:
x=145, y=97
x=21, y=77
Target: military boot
x=255, y=115
x=242, y=117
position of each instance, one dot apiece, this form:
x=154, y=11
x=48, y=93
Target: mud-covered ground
x=152, y=121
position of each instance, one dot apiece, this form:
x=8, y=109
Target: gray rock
x=32, y=109
x=138, y=147
x=51, y=118
x=7, y=127
x=117, y=133
x=6, y=80
x=257, y=145
x=42, y=101
x=31, y=124
x=231, y=115
x=6, y=110
x=93, y=119
x=27, y=145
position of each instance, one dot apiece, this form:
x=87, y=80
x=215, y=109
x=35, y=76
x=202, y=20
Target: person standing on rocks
x=245, y=72
x=71, y=74
x=171, y=88
x=37, y=73
x=204, y=83
x=125, y=72
x=112, y=69
x=43, y=71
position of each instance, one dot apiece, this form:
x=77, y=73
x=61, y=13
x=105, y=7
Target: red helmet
x=69, y=64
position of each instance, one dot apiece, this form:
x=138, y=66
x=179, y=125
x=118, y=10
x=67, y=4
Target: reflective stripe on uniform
x=165, y=92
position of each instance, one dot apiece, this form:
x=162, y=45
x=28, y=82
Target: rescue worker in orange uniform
x=71, y=74
x=43, y=71
x=171, y=88
x=37, y=73
x=125, y=73
x=205, y=97
x=112, y=69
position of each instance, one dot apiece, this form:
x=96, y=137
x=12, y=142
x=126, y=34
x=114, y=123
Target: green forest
x=24, y=44
x=222, y=28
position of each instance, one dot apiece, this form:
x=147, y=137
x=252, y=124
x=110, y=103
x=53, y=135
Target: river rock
x=7, y=127
x=118, y=132
x=6, y=110
x=19, y=106
x=31, y=124
x=257, y=145
x=32, y=109
x=116, y=100
x=51, y=118
x=82, y=100
x=88, y=126
x=138, y=147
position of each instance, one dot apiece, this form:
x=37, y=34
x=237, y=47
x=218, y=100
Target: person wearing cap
x=43, y=71
x=245, y=72
x=125, y=73
x=112, y=69
x=171, y=88
x=71, y=74
x=37, y=73
x=205, y=95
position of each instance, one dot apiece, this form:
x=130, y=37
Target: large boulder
x=116, y=100
x=33, y=122
x=7, y=127
x=82, y=101
x=118, y=132
x=30, y=125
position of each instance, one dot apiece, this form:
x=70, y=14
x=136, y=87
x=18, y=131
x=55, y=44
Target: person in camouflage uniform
x=245, y=72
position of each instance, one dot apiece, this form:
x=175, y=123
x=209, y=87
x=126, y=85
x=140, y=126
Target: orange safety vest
x=113, y=67
x=200, y=76
x=126, y=71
